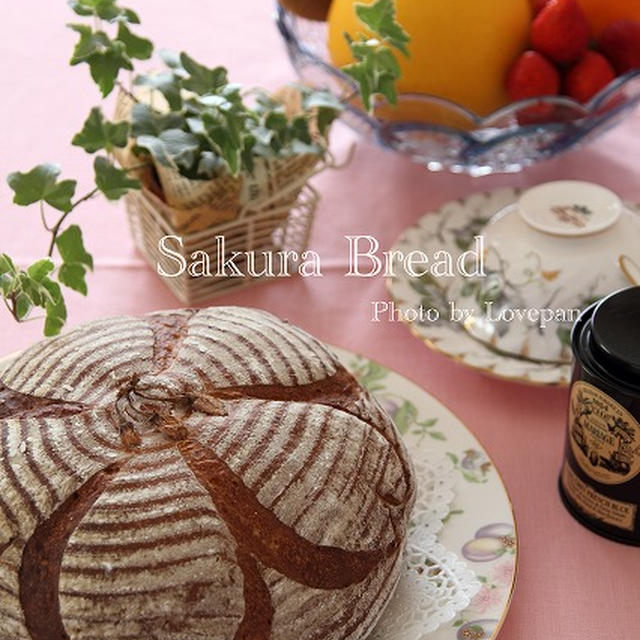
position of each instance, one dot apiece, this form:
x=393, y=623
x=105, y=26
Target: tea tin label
x=604, y=436
x=595, y=505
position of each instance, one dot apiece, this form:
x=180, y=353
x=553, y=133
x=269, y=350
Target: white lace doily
x=436, y=584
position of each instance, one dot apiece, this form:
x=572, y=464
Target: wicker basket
x=275, y=226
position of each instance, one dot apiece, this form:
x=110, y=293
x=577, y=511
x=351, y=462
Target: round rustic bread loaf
x=195, y=474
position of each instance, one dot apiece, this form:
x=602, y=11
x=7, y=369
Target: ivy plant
x=375, y=68
x=210, y=128
x=107, y=47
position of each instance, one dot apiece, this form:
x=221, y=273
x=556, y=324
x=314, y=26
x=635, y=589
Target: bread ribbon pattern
x=188, y=474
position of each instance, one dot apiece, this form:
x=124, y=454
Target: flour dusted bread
x=210, y=474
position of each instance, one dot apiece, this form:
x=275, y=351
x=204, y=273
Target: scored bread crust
x=210, y=474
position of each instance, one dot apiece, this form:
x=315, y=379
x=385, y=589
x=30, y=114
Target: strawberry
x=561, y=31
x=532, y=75
x=620, y=42
x=587, y=77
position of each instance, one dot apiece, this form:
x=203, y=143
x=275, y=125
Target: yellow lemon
x=460, y=49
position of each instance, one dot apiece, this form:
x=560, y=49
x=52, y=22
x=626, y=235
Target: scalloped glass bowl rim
x=483, y=123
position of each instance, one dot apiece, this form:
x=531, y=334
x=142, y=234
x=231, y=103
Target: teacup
x=562, y=246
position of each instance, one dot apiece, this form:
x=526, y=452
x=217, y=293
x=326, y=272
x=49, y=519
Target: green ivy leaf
x=39, y=270
x=172, y=147
x=7, y=284
x=55, y=309
x=375, y=71
x=104, y=56
x=30, y=288
x=327, y=108
x=318, y=99
x=167, y=83
x=113, y=182
x=171, y=59
x=229, y=151
x=298, y=147
x=209, y=166
x=37, y=288
x=247, y=153
x=8, y=276
x=90, y=43
x=106, y=66
x=225, y=140
x=71, y=247
x=6, y=264
x=32, y=186
x=375, y=68
x=262, y=135
x=22, y=305
x=128, y=15
x=98, y=133
x=41, y=184
x=104, y=9
x=380, y=17
x=75, y=259
x=82, y=7
x=60, y=196
x=202, y=80
x=360, y=74
x=147, y=122
x=73, y=276
x=300, y=129
x=33, y=288
x=136, y=47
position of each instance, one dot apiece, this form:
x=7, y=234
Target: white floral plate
x=452, y=229
x=480, y=527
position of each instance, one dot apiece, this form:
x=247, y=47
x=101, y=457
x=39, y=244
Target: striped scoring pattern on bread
x=211, y=474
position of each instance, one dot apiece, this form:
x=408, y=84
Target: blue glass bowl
x=448, y=137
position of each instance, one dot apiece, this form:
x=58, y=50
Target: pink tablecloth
x=572, y=584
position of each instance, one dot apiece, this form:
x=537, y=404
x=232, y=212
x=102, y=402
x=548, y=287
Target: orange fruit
x=460, y=52
x=602, y=13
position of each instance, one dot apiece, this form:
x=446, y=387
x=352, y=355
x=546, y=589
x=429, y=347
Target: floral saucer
x=547, y=258
x=481, y=526
x=536, y=261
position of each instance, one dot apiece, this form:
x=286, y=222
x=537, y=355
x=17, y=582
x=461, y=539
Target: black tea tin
x=600, y=477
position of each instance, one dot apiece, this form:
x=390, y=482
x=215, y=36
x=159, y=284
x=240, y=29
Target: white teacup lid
x=570, y=208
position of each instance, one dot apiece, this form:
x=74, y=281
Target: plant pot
x=269, y=210
x=278, y=225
